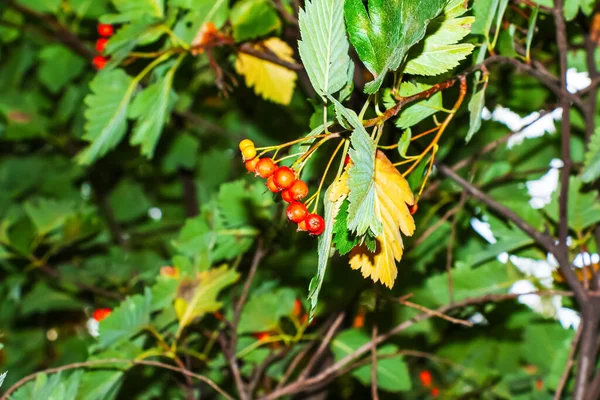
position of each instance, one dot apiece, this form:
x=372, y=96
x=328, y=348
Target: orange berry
x=286, y=195
x=297, y=308
x=101, y=44
x=248, y=152
x=101, y=313
x=359, y=318
x=169, y=272
x=105, y=30
x=218, y=315
x=261, y=335
x=315, y=224
x=435, y=392
x=265, y=168
x=347, y=160
x=284, y=177
x=296, y=212
x=298, y=190
x=413, y=208
x=245, y=143
x=251, y=164
x=301, y=226
x=271, y=185
x=425, y=378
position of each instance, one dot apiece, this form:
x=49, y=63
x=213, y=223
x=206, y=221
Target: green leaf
x=196, y=298
x=583, y=208
x=263, y=311
x=383, y=36
x=417, y=111
x=361, y=176
x=324, y=248
x=48, y=215
x=133, y=10
x=591, y=165
x=106, y=113
x=499, y=16
x=42, y=298
x=476, y=105
x=128, y=319
x=541, y=344
x=182, y=153
x=439, y=52
x=484, y=11
x=58, y=66
x=128, y=201
x=404, y=142
x=128, y=37
x=57, y=387
x=392, y=372
x=343, y=239
x=531, y=30
x=151, y=109
x=203, y=11
x=253, y=18
x=2, y=377
x=50, y=6
x=324, y=46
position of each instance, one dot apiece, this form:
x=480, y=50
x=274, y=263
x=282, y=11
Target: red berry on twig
x=284, y=177
x=296, y=212
x=105, y=30
x=315, y=224
x=100, y=62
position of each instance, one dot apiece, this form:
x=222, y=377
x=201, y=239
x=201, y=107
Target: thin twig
x=92, y=363
x=374, y=394
x=436, y=313
x=450, y=249
x=323, y=346
x=570, y=361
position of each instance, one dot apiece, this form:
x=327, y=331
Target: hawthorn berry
x=169, y=272
x=286, y=195
x=251, y=164
x=245, y=143
x=425, y=378
x=265, y=168
x=248, y=152
x=262, y=336
x=297, y=308
x=101, y=44
x=301, y=226
x=296, y=212
x=298, y=190
x=100, y=62
x=101, y=313
x=413, y=208
x=284, y=177
x=315, y=224
x=435, y=392
x=105, y=30
x=271, y=185
x=347, y=160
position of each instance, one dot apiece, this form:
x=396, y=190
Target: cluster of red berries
x=105, y=31
x=427, y=380
x=283, y=180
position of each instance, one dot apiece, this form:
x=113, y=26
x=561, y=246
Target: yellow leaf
x=393, y=196
x=271, y=81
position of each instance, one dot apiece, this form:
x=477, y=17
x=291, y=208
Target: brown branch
x=323, y=346
x=533, y=4
x=233, y=366
x=374, y=394
x=269, y=56
x=92, y=363
x=190, y=194
x=570, y=361
x=435, y=313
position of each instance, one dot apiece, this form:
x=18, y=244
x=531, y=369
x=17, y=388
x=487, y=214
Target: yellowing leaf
x=197, y=297
x=393, y=195
x=271, y=81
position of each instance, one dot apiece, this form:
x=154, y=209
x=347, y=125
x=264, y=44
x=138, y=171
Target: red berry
x=435, y=392
x=286, y=195
x=347, y=160
x=315, y=224
x=425, y=378
x=105, y=30
x=265, y=168
x=101, y=44
x=284, y=177
x=297, y=308
x=101, y=313
x=296, y=212
x=298, y=190
x=271, y=185
x=413, y=208
x=262, y=335
x=251, y=164
x=100, y=62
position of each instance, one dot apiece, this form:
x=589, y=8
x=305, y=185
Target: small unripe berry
x=105, y=30
x=298, y=190
x=101, y=313
x=286, y=196
x=249, y=152
x=251, y=164
x=265, y=168
x=271, y=185
x=100, y=62
x=301, y=226
x=296, y=212
x=284, y=177
x=315, y=224
x=246, y=143
x=101, y=44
